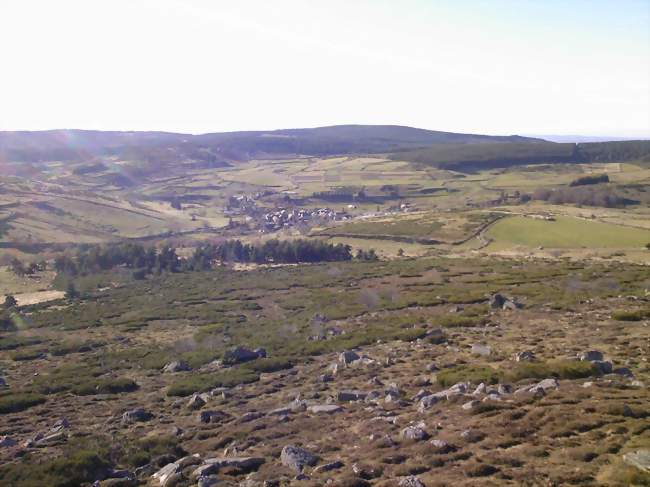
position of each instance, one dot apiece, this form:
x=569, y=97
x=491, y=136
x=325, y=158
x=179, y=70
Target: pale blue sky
x=495, y=67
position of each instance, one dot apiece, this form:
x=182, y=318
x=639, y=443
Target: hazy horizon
x=495, y=68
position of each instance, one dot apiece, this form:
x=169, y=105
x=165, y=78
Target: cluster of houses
x=284, y=217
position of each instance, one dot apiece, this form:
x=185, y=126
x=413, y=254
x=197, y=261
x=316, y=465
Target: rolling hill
x=475, y=157
x=83, y=145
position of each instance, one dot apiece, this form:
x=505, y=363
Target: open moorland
x=344, y=306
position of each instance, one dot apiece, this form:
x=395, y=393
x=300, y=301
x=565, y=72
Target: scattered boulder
x=170, y=473
x=207, y=481
x=6, y=442
x=482, y=350
x=415, y=433
x=347, y=357
x=473, y=404
x=540, y=388
x=591, y=356
x=603, y=366
x=349, y=396
x=480, y=389
x=196, y=402
x=496, y=301
x=456, y=390
x=624, y=371
x=472, y=436
x=238, y=355
x=328, y=467
x=279, y=411
x=639, y=459
x=250, y=416
x=441, y=446
x=212, y=416
x=410, y=481
x=524, y=356
x=432, y=368
x=420, y=394
x=499, y=301
x=297, y=458
x=511, y=305
x=136, y=416
x=211, y=466
x=176, y=366
x=503, y=389
x=325, y=409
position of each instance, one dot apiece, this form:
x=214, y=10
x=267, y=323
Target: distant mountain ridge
x=78, y=145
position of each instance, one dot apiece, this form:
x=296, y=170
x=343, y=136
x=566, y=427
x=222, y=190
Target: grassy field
x=565, y=232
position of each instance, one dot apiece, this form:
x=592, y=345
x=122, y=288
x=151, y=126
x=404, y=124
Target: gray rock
x=480, y=389
x=298, y=406
x=212, y=416
x=238, y=355
x=297, y=458
x=624, y=371
x=539, y=389
x=441, y=446
x=420, y=394
x=493, y=396
x=373, y=397
x=3, y=382
x=415, y=433
x=548, y=384
x=473, y=404
x=603, y=366
x=432, y=368
x=325, y=409
x=504, y=389
x=591, y=355
x=196, y=402
x=176, y=366
x=328, y=467
x=428, y=401
x=347, y=357
x=250, y=416
x=211, y=466
x=6, y=442
x=349, y=396
x=496, y=301
x=325, y=378
x=168, y=474
x=472, y=436
x=524, y=356
x=51, y=439
x=136, y=415
x=482, y=350
x=207, y=481
x=279, y=411
x=410, y=481
x=639, y=459
x=511, y=305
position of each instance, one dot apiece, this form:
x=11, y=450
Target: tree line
x=147, y=260
x=277, y=251
x=580, y=195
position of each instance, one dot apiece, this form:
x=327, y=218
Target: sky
x=196, y=66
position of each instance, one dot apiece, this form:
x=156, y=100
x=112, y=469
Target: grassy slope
x=566, y=233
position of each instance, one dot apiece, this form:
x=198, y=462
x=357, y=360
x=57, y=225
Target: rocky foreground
x=377, y=416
